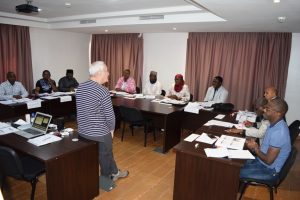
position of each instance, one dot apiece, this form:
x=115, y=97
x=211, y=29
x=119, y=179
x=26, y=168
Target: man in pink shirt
x=126, y=83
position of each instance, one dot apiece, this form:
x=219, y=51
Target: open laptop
x=39, y=126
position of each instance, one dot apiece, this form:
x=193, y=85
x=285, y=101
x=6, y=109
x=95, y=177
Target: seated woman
x=179, y=90
x=46, y=84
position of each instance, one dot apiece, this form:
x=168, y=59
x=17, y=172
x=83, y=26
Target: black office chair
x=271, y=184
x=294, y=130
x=163, y=93
x=134, y=117
x=138, y=90
x=20, y=167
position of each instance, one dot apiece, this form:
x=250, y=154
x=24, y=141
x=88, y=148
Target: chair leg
x=154, y=135
x=271, y=193
x=33, y=186
x=131, y=127
x=242, y=189
x=146, y=132
x=123, y=131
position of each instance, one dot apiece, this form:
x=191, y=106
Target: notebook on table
x=38, y=127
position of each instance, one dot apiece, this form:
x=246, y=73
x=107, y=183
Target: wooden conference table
x=53, y=107
x=170, y=118
x=72, y=168
x=200, y=177
x=166, y=117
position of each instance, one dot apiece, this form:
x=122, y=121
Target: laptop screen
x=41, y=121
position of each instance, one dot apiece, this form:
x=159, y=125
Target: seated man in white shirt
x=216, y=92
x=11, y=88
x=153, y=86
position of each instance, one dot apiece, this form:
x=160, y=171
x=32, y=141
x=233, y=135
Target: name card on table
x=34, y=104
x=65, y=98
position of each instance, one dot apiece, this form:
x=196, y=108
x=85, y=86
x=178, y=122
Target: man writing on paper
x=216, y=92
x=11, y=88
x=276, y=146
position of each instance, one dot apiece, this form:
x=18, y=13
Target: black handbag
x=223, y=107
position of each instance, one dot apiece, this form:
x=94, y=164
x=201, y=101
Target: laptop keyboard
x=32, y=131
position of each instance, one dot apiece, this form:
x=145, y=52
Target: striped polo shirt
x=95, y=114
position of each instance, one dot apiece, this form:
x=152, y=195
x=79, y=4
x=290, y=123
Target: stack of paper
x=218, y=123
x=139, y=96
x=223, y=152
x=231, y=142
x=6, y=128
x=150, y=96
x=205, y=138
x=192, y=107
x=245, y=116
x=172, y=101
x=191, y=137
x=44, y=139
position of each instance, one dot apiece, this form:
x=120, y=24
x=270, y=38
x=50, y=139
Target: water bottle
x=32, y=116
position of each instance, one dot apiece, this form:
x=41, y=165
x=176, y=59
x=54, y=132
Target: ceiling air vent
x=88, y=21
x=150, y=17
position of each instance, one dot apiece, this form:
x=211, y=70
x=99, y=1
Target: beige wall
x=58, y=51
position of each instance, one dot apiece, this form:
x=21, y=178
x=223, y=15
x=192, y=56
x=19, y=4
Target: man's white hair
x=95, y=67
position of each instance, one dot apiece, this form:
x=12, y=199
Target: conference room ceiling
x=144, y=16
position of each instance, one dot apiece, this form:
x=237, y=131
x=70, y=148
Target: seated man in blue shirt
x=11, y=88
x=275, y=148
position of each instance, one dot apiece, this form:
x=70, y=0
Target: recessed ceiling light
x=106, y=30
x=68, y=4
x=281, y=19
x=174, y=28
x=276, y=1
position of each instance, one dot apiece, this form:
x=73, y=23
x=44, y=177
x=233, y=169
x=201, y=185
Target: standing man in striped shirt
x=96, y=118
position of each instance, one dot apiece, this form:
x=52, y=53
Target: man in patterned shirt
x=126, y=83
x=11, y=88
x=96, y=118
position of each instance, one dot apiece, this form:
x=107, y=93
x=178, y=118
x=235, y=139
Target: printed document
x=6, y=128
x=231, y=142
x=44, y=139
x=191, y=137
x=207, y=138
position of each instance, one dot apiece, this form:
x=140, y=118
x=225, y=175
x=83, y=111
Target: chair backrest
x=163, y=93
x=191, y=97
x=10, y=163
x=131, y=114
x=294, y=130
x=138, y=90
x=288, y=164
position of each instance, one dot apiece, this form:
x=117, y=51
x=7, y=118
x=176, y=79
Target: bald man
x=270, y=93
x=12, y=89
